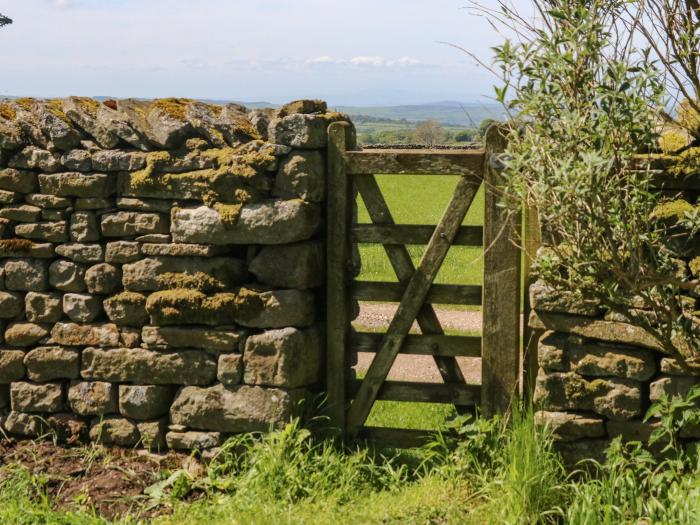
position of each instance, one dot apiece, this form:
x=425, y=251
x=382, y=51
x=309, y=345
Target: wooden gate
x=352, y=172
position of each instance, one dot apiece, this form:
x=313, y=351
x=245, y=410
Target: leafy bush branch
x=586, y=102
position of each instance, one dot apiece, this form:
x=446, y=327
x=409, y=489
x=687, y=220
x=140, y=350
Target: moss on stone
x=687, y=116
x=694, y=266
x=145, y=178
x=127, y=298
x=671, y=211
x=229, y=213
x=21, y=246
x=185, y=306
x=197, y=281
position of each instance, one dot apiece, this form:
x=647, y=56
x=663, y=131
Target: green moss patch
x=128, y=298
x=185, y=306
x=197, y=281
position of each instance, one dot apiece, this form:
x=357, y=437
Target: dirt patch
x=109, y=480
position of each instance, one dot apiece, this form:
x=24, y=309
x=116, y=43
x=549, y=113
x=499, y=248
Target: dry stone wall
x=599, y=374
x=160, y=268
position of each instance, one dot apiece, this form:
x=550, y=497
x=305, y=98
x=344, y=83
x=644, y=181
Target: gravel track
x=376, y=316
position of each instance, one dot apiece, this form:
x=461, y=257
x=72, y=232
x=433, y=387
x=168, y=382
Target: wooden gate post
x=338, y=214
x=501, y=300
x=531, y=336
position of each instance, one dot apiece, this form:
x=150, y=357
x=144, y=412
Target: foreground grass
x=498, y=472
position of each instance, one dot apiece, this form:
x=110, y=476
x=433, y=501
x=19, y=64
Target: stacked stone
x=599, y=374
x=159, y=268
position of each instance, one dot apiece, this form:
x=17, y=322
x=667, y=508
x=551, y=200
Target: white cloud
x=369, y=61
x=62, y=4
x=365, y=61
x=325, y=60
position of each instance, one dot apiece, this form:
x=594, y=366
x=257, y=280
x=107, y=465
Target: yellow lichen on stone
x=174, y=108
x=229, y=213
x=7, y=111
x=144, y=178
x=695, y=267
x=688, y=163
x=25, y=103
x=90, y=105
x=55, y=107
x=673, y=140
x=671, y=210
x=197, y=281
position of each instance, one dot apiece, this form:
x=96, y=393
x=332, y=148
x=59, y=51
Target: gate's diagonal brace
x=403, y=267
x=411, y=302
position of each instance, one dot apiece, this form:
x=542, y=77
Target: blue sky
x=348, y=52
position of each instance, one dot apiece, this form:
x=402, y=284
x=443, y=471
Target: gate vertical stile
x=338, y=216
x=500, y=358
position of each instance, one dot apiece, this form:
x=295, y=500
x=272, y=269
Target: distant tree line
x=4, y=20
x=427, y=132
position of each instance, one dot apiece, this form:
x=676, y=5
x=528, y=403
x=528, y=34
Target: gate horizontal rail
x=459, y=294
x=425, y=344
x=413, y=234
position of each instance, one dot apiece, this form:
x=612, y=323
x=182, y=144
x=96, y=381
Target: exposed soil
x=110, y=480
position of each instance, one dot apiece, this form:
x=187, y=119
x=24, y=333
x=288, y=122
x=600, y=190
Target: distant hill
x=449, y=112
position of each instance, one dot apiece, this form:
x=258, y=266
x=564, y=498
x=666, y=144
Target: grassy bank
x=499, y=472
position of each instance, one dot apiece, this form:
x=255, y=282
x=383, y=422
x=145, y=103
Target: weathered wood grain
x=424, y=344
x=532, y=239
x=501, y=304
x=461, y=294
x=415, y=162
x=413, y=234
x=337, y=293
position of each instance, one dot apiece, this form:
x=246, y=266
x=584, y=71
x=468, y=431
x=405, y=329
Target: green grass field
x=421, y=200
